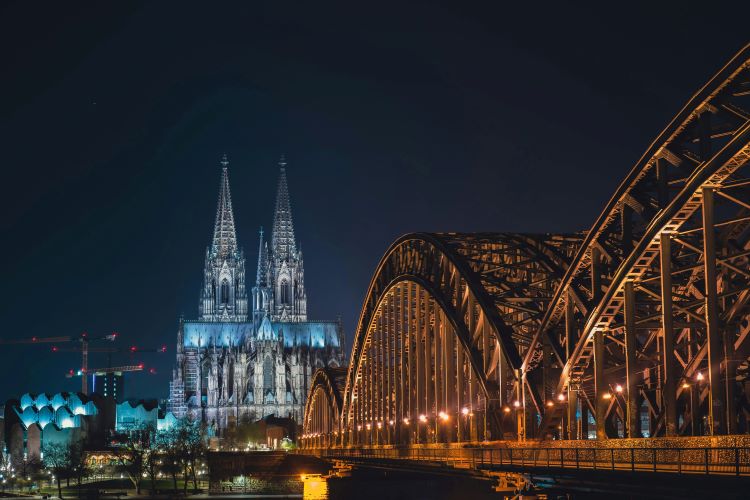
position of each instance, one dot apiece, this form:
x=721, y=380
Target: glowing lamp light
x=506, y=409
x=686, y=386
x=607, y=395
x=464, y=411
x=618, y=388
x=423, y=418
x=517, y=404
x=443, y=416
x=392, y=422
x=380, y=425
x=359, y=427
x=561, y=397
x=369, y=426
x=699, y=376
x=550, y=403
x=406, y=421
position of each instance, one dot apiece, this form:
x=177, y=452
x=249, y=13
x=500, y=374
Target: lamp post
x=421, y=420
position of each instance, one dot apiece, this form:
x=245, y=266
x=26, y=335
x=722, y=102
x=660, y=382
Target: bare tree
x=76, y=459
x=56, y=459
x=169, y=446
x=133, y=456
x=152, y=467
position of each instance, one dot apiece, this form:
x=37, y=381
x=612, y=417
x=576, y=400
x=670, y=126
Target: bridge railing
x=717, y=460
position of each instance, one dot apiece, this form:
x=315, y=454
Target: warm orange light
x=391, y=422
x=517, y=404
x=699, y=376
x=506, y=409
x=561, y=397
x=465, y=410
x=380, y=425
x=618, y=388
x=359, y=427
x=422, y=418
x=607, y=395
x=406, y=421
x=443, y=416
x=686, y=386
x=550, y=403
x=369, y=426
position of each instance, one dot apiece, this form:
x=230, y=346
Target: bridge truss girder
x=638, y=326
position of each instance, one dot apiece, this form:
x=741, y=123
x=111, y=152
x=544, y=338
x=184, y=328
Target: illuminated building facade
x=235, y=363
x=109, y=385
x=38, y=420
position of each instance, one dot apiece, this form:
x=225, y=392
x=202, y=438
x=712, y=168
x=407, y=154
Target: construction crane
x=83, y=338
x=102, y=371
x=112, y=369
x=110, y=350
x=85, y=349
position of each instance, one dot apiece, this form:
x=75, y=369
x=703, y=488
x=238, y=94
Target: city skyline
x=114, y=134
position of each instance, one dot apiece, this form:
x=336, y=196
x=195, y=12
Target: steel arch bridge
x=637, y=327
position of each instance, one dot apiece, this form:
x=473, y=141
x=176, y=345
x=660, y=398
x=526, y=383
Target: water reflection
x=315, y=487
x=363, y=484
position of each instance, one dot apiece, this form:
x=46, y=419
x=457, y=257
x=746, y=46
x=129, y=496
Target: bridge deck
x=734, y=461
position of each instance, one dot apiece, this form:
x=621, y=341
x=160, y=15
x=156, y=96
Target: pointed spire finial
x=260, y=277
x=282, y=235
x=225, y=238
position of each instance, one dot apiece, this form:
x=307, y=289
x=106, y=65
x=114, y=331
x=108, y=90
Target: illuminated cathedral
x=250, y=355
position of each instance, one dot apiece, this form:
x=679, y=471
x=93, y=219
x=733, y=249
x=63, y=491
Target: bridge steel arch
x=653, y=307
x=638, y=327
x=321, y=422
x=442, y=333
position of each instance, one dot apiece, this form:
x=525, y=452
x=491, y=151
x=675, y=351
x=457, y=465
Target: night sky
x=393, y=118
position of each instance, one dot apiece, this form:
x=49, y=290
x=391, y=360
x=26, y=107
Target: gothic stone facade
x=234, y=363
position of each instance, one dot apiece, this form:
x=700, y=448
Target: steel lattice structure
x=637, y=327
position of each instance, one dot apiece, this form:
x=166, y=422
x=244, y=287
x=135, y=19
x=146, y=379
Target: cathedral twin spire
x=279, y=290
x=225, y=236
x=282, y=238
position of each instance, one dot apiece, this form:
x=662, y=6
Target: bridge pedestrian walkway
x=727, y=461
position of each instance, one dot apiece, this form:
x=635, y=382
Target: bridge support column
x=438, y=377
x=602, y=402
x=473, y=434
x=427, y=365
x=631, y=344
x=669, y=381
x=571, y=339
x=717, y=403
x=572, y=420
x=449, y=361
x=462, y=420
